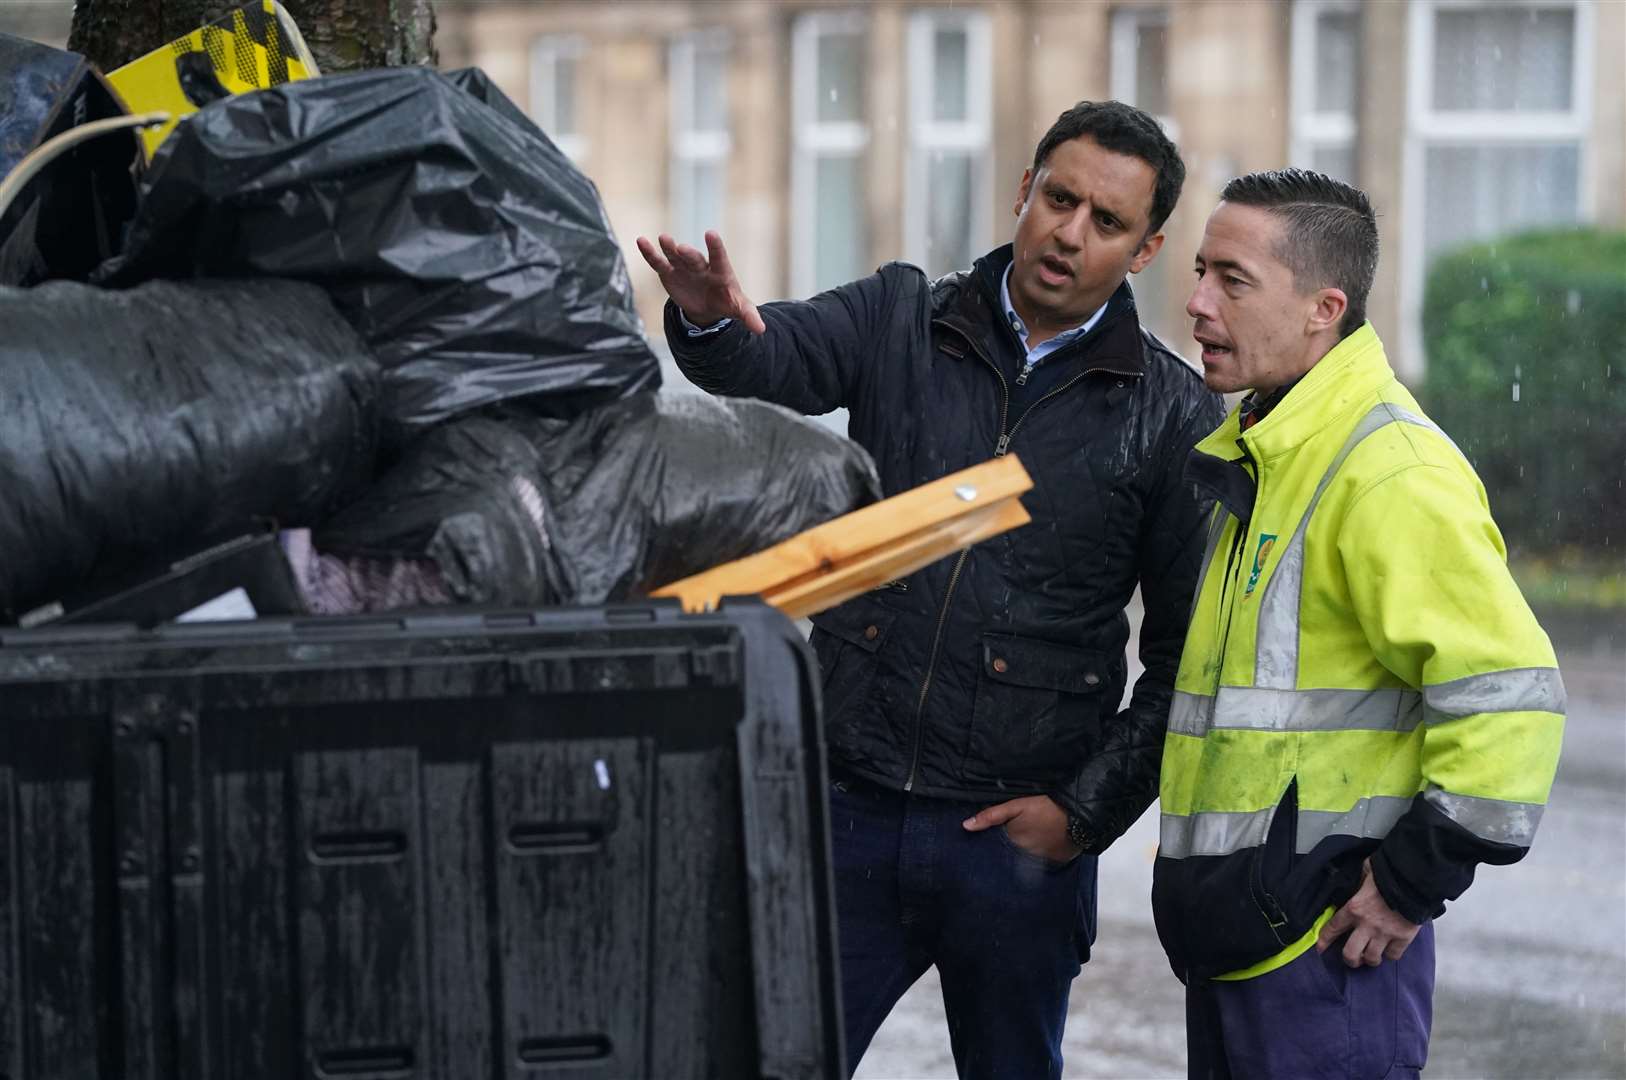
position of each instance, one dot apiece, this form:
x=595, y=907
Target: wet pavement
x=1532, y=960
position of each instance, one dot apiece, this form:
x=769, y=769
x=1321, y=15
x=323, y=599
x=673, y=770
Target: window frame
x=1123, y=64
x=973, y=135
x=689, y=147
x=1311, y=129
x=813, y=139
x=545, y=53
x=1428, y=127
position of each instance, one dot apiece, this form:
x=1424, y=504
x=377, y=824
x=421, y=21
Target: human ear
x=1023, y=190
x=1149, y=248
x=1328, y=313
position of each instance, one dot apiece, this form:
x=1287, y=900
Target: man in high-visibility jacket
x=1365, y=709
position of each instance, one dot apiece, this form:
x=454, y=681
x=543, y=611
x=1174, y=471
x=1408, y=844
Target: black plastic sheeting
x=70, y=217
x=154, y=419
x=473, y=257
x=631, y=496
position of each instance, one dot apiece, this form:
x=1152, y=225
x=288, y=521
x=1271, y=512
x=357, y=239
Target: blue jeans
x=1007, y=930
x=1316, y=1019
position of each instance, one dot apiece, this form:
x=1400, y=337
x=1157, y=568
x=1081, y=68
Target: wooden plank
x=818, y=568
x=898, y=559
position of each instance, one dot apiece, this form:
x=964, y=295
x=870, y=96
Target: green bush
x=1526, y=345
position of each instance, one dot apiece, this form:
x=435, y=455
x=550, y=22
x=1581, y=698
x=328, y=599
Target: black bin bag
x=472, y=256
x=154, y=419
x=631, y=496
x=69, y=217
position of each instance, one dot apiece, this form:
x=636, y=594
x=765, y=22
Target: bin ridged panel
x=456, y=880
x=357, y=846
x=258, y=1000
x=572, y=844
x=12, y=990
x=66, y=991
x=570, y=825
x=702, y=978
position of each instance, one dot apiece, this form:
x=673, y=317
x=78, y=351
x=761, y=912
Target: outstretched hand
x=1376, y=931
x=701, y=284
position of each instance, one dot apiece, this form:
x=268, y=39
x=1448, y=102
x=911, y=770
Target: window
x=949, y=155
x=555, y=93
x=1497, y=128
x=829, y=227
x=1326, y=60
x=700, y=140
x=1140, y=76
x=1140, y=61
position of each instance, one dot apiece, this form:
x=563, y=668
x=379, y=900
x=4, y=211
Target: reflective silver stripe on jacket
x=1216, y=832
x=1370, y=818
x=1251, y=708
x=1537, y=689
x=1494, y=820
x=1212, y=833
x=1276, y=658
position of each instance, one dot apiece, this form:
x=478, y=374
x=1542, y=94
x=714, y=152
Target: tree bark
x=343, y=35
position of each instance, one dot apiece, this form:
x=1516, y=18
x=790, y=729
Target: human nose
x=1071, y=230
x=1200, y=304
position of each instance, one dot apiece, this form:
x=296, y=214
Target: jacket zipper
x=1233, y=567
x=1000, y=450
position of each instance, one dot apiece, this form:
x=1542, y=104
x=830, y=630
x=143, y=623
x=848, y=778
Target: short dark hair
x=1123, y=129
x=1331, y=233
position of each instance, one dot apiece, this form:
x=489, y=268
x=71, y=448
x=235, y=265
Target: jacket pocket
x=846, y=639
x=1038, y=707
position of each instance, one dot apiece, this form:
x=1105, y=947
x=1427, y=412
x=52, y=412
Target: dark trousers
x=1316, y=1019
x=1006, y=930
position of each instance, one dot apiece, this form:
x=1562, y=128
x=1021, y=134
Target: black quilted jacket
x=998, y=672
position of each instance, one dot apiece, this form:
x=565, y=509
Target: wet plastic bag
x=154, y=419
x=473, y=257
x=69, y=216
x=627, y=498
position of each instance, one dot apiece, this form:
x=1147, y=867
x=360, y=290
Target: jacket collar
x=976, y=313
x=1352, y=370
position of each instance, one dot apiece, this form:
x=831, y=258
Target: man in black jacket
x=979, y=759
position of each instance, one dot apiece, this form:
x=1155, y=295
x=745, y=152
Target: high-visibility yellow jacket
x=1361, y=676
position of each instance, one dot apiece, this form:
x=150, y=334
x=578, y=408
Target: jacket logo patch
x=1266, y=542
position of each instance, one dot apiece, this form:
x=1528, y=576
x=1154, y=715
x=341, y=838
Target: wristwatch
x=1079, y=833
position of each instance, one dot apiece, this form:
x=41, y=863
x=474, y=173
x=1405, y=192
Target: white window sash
x=1311, y=129
x=813, y=140
x=546, y=52
x=692, y=149
x=972, y=135
x=1428, y=120
x=1428, y=127
x=701, y=145
x=1124, y=72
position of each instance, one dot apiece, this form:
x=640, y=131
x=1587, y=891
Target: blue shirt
x=1038, y=352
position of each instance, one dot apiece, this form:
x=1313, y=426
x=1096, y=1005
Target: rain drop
x=1572, y=302
x=834, y=96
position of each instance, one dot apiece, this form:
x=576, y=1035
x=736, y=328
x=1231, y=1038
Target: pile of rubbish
x=346, y=343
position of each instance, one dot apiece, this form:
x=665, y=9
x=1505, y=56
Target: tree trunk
x=343, y=35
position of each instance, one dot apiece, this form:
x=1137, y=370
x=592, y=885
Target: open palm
x=702, y=284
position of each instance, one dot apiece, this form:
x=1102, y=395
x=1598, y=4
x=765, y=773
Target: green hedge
x=1526, y=371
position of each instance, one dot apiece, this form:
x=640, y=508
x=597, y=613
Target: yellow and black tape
x=251, y=48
